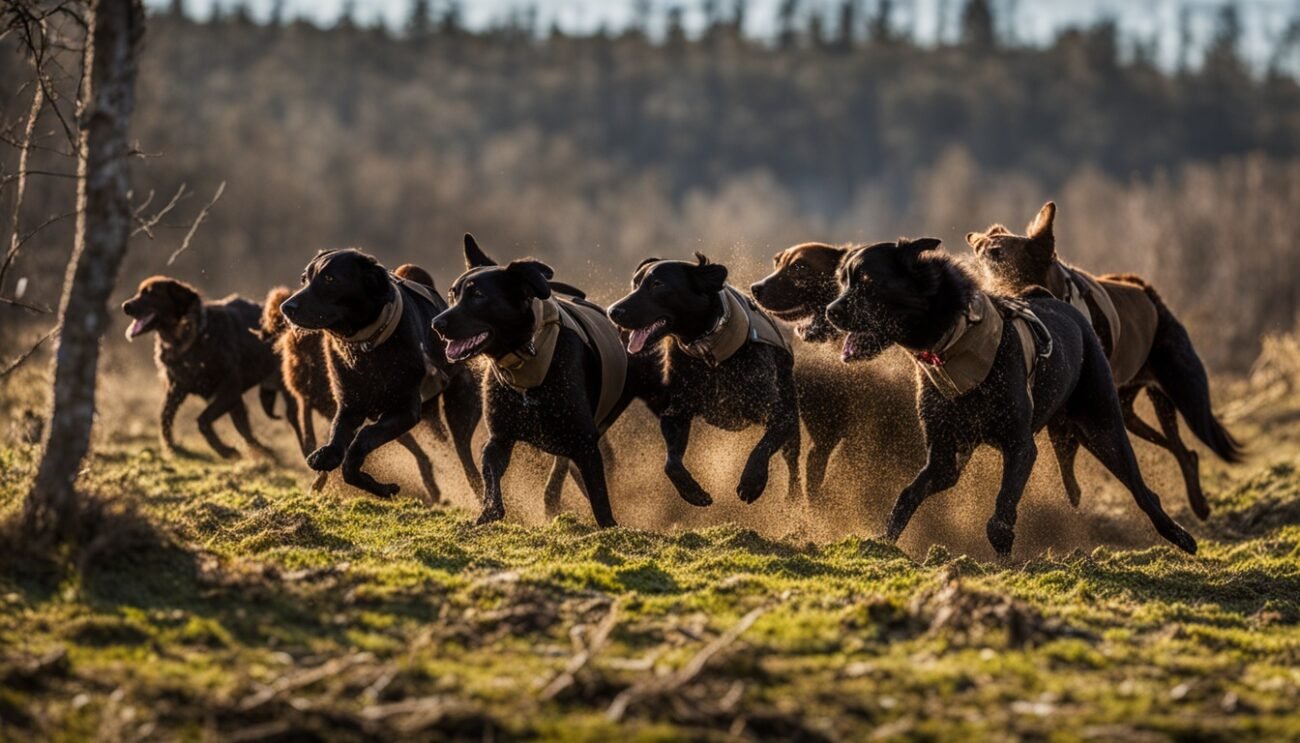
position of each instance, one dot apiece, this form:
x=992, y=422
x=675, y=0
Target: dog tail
x=273, y=322
x=412, y=272
x=1182, y=376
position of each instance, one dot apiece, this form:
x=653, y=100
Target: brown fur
x=1171, y=374
x=208, y=349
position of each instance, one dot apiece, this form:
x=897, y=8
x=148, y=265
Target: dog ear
x=709, y=277
x=374, y=277
x=474, y=255
x=533, y=275
x=182, y=296
x=919, y=245
x=1042, y=224
x=973, y=240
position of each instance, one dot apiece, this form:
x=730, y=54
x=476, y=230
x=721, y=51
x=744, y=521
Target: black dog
x=723, y=359
x=1149, y=349
x=997, y=371
x=209, y=349
x=384, y=363
x=558, y=377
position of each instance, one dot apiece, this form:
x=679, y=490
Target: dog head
x=160, y=304
x=1017, y=260
x=491, y=308
x=886, y=290
x=668, y=298
x=342, y=291
x=800, y=287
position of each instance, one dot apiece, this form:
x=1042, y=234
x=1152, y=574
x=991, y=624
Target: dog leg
x=294, y=416
x=1017, y=463
x=463, y=407
x=781, y=427
x=591, y=467
x=172, y=403
x=677, y=433
x=1188, y=461
x=819, y=456
x=555, y=487
x=422, y=463
x=941, y=471
x=223, y=402
x=239, y=416
x=308, y=428
x=342, y=431
x=391, y=425
x=1066, y=447
x=790, y=452
x=1099, y=422
x=1134, y=423
x=496, y=458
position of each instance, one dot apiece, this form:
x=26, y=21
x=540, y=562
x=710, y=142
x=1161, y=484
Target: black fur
x=344, y=292
x=557, y=416
x=754, y=387
x=209, y=349
x=908, y=293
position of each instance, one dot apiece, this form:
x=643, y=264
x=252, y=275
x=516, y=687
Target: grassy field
x=224, y=600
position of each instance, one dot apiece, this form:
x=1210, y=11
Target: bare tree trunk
x=103, y=226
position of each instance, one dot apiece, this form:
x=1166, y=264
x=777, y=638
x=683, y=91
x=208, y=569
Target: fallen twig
x=593, y=645
x=684, y=675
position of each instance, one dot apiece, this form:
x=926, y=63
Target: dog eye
x=303, y=279
x=328, y=279
x=655, y=283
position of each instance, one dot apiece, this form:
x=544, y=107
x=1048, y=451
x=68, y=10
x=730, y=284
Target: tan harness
x=1128, y=311
x=963, y=358
x=742, y=321
x=526, y=367
x=378, y=332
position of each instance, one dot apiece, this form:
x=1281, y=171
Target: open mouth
x=790, y=315
x=854, y=348
x=461, y=349
x=643, y=336
x=140, y=326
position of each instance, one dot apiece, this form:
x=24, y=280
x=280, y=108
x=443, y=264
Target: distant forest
x=595, y=151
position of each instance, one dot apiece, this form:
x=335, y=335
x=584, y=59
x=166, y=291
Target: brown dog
x=1148, y=348
x=209, y=349
x=306, y=378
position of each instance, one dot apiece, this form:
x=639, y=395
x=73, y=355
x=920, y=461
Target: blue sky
x=1036, y=20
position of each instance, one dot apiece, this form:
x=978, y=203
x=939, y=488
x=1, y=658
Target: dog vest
x=742, y=321
x=378, y=332
x=526, y=367
x=964, y=356
x=1127, y=311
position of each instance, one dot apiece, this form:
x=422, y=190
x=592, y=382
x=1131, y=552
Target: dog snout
x=837, y=312
x=440, y=324
x=289, y=307
x=617, y=312
x=756, y=289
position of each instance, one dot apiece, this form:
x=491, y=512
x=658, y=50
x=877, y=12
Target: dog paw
x=753, y=482
x=228, y=453
x=1180, y=538
x=1001, y=535
x=386, y=489
x=490, y=514
x=325, y=459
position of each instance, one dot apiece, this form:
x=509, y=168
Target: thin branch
x=185, y=244
x=38, y=101
x=28, y=354
x=146, y=225
x=26, y=306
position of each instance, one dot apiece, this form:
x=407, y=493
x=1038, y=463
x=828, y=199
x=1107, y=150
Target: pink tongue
x=637, y=341
x=850, y=348
x=457, y=348
x=137, y=327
